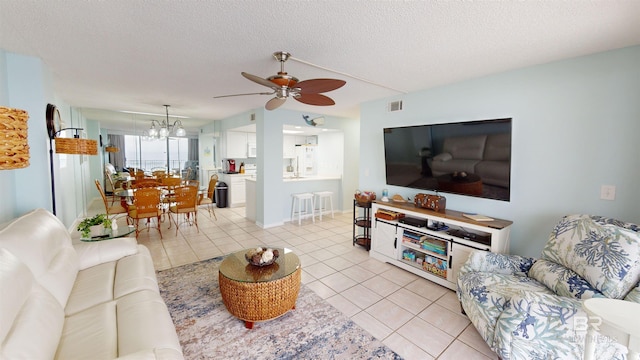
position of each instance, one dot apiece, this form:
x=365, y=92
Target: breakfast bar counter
x=310, y=184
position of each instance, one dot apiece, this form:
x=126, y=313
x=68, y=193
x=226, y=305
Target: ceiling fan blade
x=315, y=86
x=315, y=99
x=259, y=80
x=256, y=93
x=274, y=103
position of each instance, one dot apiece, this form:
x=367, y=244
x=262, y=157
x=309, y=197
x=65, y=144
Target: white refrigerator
x=306, y=160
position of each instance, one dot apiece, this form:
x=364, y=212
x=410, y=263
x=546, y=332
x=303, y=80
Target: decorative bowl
x=262, y=256
x=364, y=197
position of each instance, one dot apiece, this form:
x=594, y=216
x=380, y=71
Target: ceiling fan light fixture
x=284, y=86
x=284, y=80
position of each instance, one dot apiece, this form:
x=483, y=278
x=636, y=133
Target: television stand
x=437, y=251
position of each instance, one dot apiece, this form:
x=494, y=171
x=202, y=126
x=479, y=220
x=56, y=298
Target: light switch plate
x=608, y=192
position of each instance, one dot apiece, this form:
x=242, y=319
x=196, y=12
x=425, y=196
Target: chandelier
x=162, y=129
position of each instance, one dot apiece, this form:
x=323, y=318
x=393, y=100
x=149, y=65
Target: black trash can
x=222, y=194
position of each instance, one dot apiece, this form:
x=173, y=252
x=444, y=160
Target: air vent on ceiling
x=395, y=105
x=252, y=117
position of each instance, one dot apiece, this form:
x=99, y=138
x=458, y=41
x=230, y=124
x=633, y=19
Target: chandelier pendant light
x=164, y=128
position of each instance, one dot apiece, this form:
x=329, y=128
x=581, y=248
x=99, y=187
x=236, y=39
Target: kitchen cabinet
x=237, y=188
x=288, y=146
x=251, y=145
x=237, y=145
x=251, y=138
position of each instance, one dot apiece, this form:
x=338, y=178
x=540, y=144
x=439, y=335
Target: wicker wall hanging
x=14, y=145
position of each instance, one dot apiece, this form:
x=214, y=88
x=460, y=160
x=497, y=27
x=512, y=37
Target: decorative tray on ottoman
x=262, y=256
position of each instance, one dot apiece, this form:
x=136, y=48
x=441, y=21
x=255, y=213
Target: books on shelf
x=478, y=217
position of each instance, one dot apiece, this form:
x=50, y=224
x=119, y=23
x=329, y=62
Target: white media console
x=432, y=244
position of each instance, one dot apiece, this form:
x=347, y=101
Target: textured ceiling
x=138, y=55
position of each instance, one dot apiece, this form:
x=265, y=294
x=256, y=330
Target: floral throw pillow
x=605, y=252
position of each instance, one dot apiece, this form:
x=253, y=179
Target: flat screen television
x=468, y=158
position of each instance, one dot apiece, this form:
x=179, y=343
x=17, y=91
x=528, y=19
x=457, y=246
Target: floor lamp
x=74, y=145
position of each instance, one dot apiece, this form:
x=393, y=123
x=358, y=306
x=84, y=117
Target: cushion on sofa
x=443, y=157
x=484, y=295
x=604, y=254
x=42, y=242
x=135, y=273
x=465, y=147
x=94, y=253
x=138, y=323
x=105, y=282
x=494, y=172
x=563, y=281
x=543, y=326
x=31, y=319
x=497, y=147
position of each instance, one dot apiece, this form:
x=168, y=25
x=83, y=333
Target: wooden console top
x=447, y=214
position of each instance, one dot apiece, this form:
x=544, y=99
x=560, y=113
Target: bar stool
x=304, y=200
x=321, y=198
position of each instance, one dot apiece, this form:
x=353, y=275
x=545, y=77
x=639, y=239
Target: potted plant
x=85, y=225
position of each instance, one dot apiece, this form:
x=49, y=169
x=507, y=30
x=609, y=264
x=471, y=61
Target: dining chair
x=194, y=183
x=146, y=183
x=146, y=205
x=139, y=174
x=116, y=209
x=115, y=187
x=209, y=199
x=185, y=204
x=187, y=174
x=170, y=184
x=159, y=173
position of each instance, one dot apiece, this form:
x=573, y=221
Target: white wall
x=575, y=128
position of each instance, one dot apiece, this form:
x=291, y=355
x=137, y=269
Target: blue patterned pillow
x=601, y=251
x=562, y=281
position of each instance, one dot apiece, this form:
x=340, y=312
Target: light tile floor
x=413, y=316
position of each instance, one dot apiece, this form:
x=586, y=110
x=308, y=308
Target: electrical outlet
x=608, y=192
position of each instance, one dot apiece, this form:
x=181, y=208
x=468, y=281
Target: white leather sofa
x=62, y=300
x=487, y=156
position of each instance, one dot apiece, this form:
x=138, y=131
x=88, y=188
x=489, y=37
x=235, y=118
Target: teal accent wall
x=576, y=125
x=24, y=80
x=25, y=83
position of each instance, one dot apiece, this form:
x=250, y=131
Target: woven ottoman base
x=260, y=301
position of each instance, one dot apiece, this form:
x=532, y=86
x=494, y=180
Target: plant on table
x=85, y=225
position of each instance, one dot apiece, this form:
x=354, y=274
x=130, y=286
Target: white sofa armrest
x=99, y=252
x=443, y=157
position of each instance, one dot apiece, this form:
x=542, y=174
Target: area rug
x=314, y=330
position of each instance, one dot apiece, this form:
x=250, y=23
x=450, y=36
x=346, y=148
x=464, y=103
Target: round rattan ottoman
x=252, y=293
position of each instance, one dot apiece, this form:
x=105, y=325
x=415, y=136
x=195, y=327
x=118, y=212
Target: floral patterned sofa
x=527, y=308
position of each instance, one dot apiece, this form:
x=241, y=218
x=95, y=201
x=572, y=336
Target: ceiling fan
x=285, y=85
